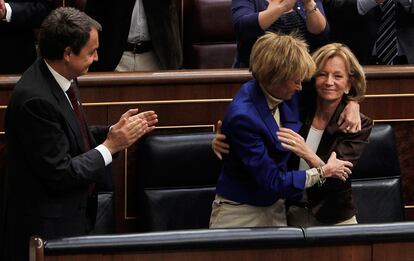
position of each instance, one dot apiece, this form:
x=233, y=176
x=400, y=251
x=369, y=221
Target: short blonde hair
x=355, y=72
x=277, y=58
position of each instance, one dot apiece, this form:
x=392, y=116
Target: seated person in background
x=362, y=25
x=17, y=21
x=138, y=35
x=338, y=78
x=251, y=18
x=254, y=179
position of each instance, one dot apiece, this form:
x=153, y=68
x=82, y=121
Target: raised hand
x=126, y=131
x=286, y=5
x=151, y=117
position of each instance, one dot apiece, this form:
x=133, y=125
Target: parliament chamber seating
x=208, y=36
x=376, y=180
x=377, y=242
x=177, y=174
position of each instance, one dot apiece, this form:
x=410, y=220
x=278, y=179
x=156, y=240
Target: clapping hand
x=130, y=127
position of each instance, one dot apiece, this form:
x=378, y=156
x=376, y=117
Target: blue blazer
x=246, y=25
x=255, y=171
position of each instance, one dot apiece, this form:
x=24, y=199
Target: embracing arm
x=219, y=144
x=350, y=120
x=350, y=146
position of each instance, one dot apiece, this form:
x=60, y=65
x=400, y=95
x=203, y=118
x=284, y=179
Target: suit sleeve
x=352, y=145
x=30, y=14
x=99, y=133
x=246, y=20
x=248, y=144
x=49, y=152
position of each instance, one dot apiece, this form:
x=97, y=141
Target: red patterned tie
x=71, y=92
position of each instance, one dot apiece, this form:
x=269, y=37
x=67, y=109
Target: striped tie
x=386, y=44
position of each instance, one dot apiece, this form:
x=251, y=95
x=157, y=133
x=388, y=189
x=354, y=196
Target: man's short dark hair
x=65, y=27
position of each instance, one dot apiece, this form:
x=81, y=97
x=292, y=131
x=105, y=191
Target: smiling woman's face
x=333, y=80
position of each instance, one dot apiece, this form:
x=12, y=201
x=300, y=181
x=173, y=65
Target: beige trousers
x=226, y=213
x=131, y=62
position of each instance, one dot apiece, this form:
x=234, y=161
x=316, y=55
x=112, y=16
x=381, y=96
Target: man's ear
x=67, y=53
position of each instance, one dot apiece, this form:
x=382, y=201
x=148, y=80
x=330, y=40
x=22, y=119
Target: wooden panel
x=401, y=251
x=324, y=253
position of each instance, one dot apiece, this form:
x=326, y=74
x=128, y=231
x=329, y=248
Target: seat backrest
x=177, y=174
x=376, y=184
x=208, y=36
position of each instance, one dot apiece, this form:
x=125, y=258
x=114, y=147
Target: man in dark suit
x=356, y=22
x=145, y=32
x=54, y=157
x=17, y=20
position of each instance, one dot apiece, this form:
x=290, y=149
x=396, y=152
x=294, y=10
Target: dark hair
x=65, y=27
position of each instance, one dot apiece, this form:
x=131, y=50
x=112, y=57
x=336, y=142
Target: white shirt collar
x=62, y=81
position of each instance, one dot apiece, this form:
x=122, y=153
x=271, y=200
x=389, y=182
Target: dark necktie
x=386, y=43
x=92, y=201
x=71, y=92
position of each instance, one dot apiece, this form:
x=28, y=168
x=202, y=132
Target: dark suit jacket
x=359, y=31
x=17, y=42
x=48, y=171
x=255, y=172
x=245, y=15
x=115, y=18
x=333, y=201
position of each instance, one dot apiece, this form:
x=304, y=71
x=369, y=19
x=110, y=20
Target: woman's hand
x=218, y=145
x=274, y=10
x=295, y=143
x=349, y=120
x=336, y=168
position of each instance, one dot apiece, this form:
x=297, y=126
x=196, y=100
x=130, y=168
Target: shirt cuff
x=8, y=13
x=312, y=177
x=107, y=156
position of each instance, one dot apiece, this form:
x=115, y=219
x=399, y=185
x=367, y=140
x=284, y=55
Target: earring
x=346, y=92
